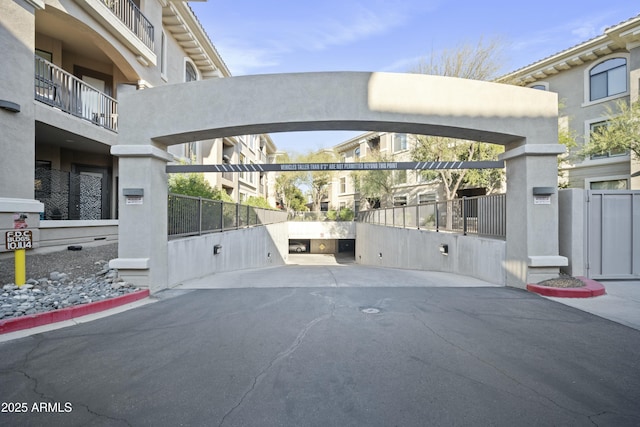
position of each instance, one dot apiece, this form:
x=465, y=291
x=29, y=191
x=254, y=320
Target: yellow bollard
x=20, y=266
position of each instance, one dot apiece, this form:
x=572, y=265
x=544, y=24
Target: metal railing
x=481, y=215
x=132, y=17
x=59, y=89
x=192, y=216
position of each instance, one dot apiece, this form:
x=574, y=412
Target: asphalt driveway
x=329, y=356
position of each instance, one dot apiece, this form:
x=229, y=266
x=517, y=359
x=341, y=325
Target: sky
x=285, y=36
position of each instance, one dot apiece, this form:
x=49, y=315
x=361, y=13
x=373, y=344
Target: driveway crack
x=280, y=356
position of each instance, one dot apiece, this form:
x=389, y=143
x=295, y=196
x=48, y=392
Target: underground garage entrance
x=341, y=247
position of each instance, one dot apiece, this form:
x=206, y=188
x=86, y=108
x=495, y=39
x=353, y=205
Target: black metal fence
x=481, y=215
x=190, y=216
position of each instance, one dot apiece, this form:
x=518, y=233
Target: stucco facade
x=86, y=54
x=577, y=75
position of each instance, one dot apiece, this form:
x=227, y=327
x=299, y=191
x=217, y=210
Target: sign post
x=19, y=241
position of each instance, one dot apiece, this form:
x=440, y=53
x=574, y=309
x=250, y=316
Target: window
x=356, y=153
x=48, y=56
x=190, y=73
x=190, y=151
x=615, y=184
x=400, y=177
x=426, y=198
x=243, y=174
x=539, y=87
x=597, y=127
x=163, y=55
x=399, y=200
x=374, y=144
x=608, y=78
x=399, y=142
x=343, y=185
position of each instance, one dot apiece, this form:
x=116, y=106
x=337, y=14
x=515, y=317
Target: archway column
x=142, y=214
x=532, y=251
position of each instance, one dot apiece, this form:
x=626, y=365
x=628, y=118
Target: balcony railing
x=56, y=87
x=482, y=215
x=130, y=15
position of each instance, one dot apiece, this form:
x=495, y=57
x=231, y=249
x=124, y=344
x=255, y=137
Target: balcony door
x=94, y=105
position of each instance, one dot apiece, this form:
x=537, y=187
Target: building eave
x=181, y=22
x=621, y=37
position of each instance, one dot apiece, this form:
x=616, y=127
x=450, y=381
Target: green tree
x=317, y=181
x=375, y=184
x=296, y=200
x=479, y=61
x=194, y=184
x=620, y=133
x=437, y=148
x=286, y=187
x=258, y=202
x=567, y=137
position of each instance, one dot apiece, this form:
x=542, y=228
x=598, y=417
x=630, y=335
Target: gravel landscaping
x=61, y=279
x=563, y=281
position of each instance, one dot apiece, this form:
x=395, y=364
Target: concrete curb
x=40, y=319
x=590, y=289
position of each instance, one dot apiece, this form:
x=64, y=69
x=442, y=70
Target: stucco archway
x=521, y=119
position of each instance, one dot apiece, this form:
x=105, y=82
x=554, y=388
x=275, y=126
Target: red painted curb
x=590, y=289
x=39, y=319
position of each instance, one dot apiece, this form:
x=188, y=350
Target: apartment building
x=66, y=63
x=404, y=187
x=244, y=149
x=588, y=78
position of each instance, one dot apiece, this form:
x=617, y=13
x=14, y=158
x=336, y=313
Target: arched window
x=608, y=78
x=190, y=73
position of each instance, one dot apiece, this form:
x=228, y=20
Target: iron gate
x=613, y=234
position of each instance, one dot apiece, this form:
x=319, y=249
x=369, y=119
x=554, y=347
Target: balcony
x=130, y=15
x=59, y=89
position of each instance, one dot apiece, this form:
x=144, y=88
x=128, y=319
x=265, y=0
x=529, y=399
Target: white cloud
x=241, y=59
x=255, y=46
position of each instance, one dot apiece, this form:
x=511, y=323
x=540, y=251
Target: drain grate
x=370, y=310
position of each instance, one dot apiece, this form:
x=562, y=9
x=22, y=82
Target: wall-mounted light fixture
x=9, y=106
x=544, y=191
x=542, y=195
x=217, y=249
x=444, y=249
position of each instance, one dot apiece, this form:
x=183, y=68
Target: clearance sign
x=18, y=239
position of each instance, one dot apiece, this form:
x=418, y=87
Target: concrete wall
x=255, y=247
x=64, y=233
x=322, y=230
x=473, y=256
x=572, y=230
